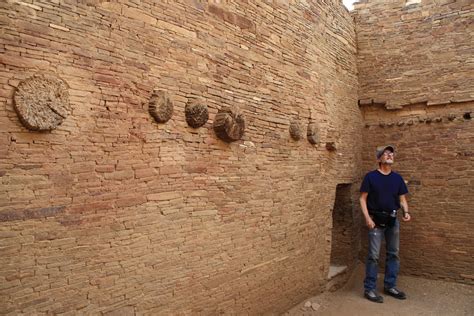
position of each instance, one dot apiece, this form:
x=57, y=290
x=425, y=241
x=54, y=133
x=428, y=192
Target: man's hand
x=369, y=222
x=403, y=201
x=406, y=217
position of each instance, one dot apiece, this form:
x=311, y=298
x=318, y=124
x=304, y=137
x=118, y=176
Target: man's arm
x=403, y=201
x=363, y=205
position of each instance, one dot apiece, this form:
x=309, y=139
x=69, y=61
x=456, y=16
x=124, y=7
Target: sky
x=348, y=3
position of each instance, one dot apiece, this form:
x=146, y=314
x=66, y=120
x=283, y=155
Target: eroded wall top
x=421, y=52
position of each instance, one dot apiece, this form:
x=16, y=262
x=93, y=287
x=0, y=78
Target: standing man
x=382, y=193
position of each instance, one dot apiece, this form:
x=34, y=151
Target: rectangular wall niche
x=342, y=231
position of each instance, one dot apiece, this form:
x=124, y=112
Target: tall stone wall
x=416, y=58
x=414, y=51
x=435, y=155
x=103, y=209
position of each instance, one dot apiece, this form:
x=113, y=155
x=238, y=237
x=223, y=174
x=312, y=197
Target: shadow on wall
x=345, y=236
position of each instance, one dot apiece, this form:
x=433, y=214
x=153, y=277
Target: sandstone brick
x=131, y=200
x=122, y=311
x=30, y=213
x=145, y=173
x=167, y=170
x=204, y=213
x=164, y=196
x=82, y=167
x=138, y=15
x=105, y=168
x=23, y=62
x=176, y=29
x=198, y=193
x=58, y=27
x=119, y=175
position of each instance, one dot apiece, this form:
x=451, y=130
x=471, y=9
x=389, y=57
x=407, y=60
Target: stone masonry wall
x=112, y=212
x=414, y=51
x=435, y=155
x=418, y=58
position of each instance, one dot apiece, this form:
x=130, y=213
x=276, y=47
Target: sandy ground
x=424, y=297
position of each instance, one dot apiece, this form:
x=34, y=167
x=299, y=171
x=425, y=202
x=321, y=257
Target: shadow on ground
x=425, y=297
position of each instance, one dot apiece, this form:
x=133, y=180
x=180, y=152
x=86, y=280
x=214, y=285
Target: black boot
x=395, y=293
x=373, y=296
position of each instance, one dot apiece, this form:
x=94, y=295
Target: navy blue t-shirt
x=383, y=190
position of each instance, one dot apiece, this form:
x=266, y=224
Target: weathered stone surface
x=315, y=306
x=229, y=124
x=160, y=106
x=42, y=102
x=121, y=311
x=30, y=213
x=295, y=130
x=196, y=114
x=418, y=54
x=170, y=220
x=442, y=179
x=312, y=133
x=331, y=146
x=230, y=17
x=422, y=71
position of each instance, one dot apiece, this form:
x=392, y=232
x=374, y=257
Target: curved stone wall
x=114, y=212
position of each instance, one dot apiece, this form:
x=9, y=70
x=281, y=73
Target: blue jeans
x=392, y=262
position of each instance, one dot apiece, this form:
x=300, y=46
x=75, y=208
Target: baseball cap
x=381, y=149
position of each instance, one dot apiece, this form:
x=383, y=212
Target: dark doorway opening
x=342, y=231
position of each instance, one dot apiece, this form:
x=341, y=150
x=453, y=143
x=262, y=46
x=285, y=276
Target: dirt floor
x=424, y=297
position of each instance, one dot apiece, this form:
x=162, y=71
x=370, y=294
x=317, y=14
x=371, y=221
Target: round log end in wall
x=160, y=106
x=42, y=102
x=229, y=124
x=295, y=130
x=312, y=133
x=196, y=114
x=331, y=146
